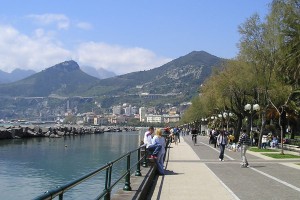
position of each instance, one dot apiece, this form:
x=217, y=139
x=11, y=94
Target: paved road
x=265, y=179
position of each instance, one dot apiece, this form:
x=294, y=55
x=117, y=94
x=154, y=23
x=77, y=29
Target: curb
x=140, y=185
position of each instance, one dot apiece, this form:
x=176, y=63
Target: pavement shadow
x=169, y=172
x=257, y=166
x=198, y=145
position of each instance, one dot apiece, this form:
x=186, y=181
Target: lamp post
x=213, y=119
x=250, y=108
x=203, y=125
x=221, y=119
x=227, y=115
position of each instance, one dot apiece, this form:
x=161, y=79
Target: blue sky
x=120, y=36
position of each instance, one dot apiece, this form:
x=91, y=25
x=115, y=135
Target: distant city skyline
x=121, y=37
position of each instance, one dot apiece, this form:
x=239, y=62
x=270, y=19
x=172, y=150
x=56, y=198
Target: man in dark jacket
x=244, y=142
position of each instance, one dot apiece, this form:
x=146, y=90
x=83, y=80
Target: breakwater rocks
x=17, y=132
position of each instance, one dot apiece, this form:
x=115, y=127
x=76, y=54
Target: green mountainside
x=62, y=79
x=176, y=81
x=187, y=71
x=182, y=77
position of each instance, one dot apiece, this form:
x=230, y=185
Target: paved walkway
x=187, y=178
x=194, y=172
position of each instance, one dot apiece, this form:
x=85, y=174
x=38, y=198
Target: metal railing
x=106, y=194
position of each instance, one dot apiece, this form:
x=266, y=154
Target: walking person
x=215, y=134
x=222, y=141
x=176, y=132
x=244, y=142
x=194, y=134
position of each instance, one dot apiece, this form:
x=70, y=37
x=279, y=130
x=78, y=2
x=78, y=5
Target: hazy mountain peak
x=15, y=75
x=67, y=66
x=98, y=73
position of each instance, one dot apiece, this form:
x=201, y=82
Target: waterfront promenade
x=195, y=172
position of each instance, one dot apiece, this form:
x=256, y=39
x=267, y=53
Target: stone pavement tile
x=186, y=178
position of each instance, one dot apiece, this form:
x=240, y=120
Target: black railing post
x=127, y=186
x=138, y=166
x=61, y=196
x=107, y=184
x=145, y=157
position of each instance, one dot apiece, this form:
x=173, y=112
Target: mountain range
x=179, y=79
x=15, y=75
x=19, y=74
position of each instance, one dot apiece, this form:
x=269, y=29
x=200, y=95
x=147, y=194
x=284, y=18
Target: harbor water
x=30, y=167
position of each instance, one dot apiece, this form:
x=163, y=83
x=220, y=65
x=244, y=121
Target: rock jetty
x=17, y=132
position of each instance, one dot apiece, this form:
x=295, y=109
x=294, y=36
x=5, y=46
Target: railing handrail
x=60, y=190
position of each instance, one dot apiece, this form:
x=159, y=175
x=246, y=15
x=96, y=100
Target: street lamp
x=203, y=125
x=213, y=118
x=251, y=108
x=227, y=116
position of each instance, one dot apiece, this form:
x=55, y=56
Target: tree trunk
x=238, y=128
x=281, y=140
x=282, y=123
x=262, y=128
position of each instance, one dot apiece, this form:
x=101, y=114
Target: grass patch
x=255, y=149
x=280, y=156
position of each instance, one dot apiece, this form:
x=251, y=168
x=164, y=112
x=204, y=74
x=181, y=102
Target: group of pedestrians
x=221, y=139
x=155, y=146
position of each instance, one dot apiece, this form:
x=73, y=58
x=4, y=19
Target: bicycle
x=194, y=138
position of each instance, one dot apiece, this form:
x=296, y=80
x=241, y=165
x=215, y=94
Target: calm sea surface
x=29, y=167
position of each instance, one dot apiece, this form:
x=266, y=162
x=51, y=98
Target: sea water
x=29, y=167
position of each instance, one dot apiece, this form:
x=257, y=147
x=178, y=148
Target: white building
x=117, y=110
x=142, y=113
x=154, y=118
x=134, y=110
x=128, y=110
x=171, y=118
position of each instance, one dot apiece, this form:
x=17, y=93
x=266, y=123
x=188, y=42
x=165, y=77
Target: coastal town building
x=117, y=110
x=150, y=118
x=171, y=118
x=142, y=113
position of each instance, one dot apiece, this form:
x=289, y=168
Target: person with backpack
x=244, y=142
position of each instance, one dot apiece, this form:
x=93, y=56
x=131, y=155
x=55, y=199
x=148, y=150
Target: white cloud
x=118, y=59
x=41, y=51
x=20, y=51
x=61, y=21
x=84, y=25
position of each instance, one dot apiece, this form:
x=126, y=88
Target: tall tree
x=257, y=48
